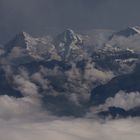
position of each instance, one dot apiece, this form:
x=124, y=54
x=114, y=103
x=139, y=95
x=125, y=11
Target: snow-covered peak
x=24, y=46
x=129, y=31
x=24, y=34
x=20, y=40
x=68, y=37
x=137, y=29
x=69, y=44
x=127, y=38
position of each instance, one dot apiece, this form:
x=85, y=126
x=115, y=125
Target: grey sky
x=40, y=17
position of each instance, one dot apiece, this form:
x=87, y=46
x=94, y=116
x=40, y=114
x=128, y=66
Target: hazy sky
x=40, y=17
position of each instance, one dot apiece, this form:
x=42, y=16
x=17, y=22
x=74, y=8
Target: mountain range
x=74, y=73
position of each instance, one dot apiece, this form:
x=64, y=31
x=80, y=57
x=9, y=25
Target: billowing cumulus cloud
x=39, y=79
x=93, y=74
x=123, y=100
x=81, y=83
x=26, y=87
x=25, y=117
x=13, y=108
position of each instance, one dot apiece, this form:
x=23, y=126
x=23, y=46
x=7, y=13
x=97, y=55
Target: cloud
x=123, y=100
x=14, y=108
x=39, y=79
x=26, y=117
x=81, y=82
x=16, y=52
x=26, y=87
x=22, y=82
x=131, y=42
x=71, y=129
x=93, y=74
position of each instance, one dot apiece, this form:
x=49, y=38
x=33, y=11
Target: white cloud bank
x=24, y=118
x=19, y=108
x=123, y=100
x=71, y=129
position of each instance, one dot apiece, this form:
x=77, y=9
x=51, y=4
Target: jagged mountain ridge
x=126, y=38
x=130, y=31
x=37, y=48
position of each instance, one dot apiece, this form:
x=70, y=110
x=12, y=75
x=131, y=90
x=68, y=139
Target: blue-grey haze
x=40, y=17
